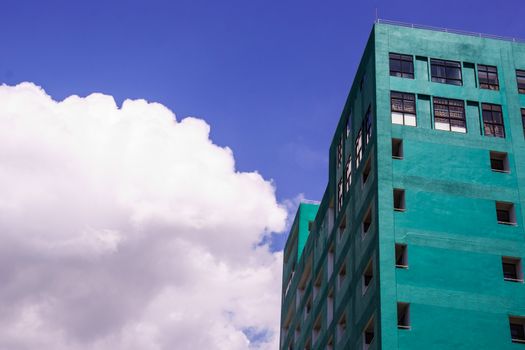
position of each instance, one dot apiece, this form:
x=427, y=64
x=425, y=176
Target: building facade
x=419, y=238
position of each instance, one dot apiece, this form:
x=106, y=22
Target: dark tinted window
x=492, y=120
x=447, y=72
x=488, y=77
x=520, y=77
x=401, y=66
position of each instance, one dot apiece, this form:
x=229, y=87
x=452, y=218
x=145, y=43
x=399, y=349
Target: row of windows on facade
x=511, y=268
x=361, y=141
x=449, y=114
x=505, y=214
x=449, y=72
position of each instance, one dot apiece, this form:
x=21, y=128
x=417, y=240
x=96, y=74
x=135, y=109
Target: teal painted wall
x=454, y=282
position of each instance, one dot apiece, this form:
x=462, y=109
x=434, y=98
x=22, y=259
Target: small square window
x=512, y=270
x=403, y=315
x=499, y=161
x=368, y=334
x=397, y=148
x=401, y=256
x=488, y=77
x=368, y=276
x=505, y=213
x=366, y=171
x=399, y=199
x=401, y=66
x=367, y=222
x=517, y=329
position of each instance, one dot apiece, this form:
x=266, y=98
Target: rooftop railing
x=447, y=30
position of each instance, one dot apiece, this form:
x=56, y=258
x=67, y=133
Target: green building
x=419, y=238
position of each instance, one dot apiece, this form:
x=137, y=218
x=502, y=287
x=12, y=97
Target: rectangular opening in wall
x=397, y=148
x=368, y=334
x=512, y=269
x=329, y=308
x=403, y=315
x=317, y=284
x=342, y=228
x=366, y=171
x=341, y=276
x=399, y=199
x=341, y=328
x=517, y=329
x=368, y=276
x=401, y=256
x=316, y=330
x=505, y=213
x=367, y=222
x=499, y=161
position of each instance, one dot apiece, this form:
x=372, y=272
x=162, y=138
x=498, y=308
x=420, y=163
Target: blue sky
x=270, y=77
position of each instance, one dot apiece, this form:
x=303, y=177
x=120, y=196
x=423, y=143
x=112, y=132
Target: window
x=340, y=194
x=520, y=77
x=359, y=148
x=397, y=148
x=447, y=72
x=517, y=329
x=523, y=119
x=368, y=125
x=330, y=261
x=329, y=308
x=366, y=170
x=342, y=227
x=399, y=199
x=341, y=276
x=488, y=77
x=403, y=315
x=316, y=330
x=505, y=213
x=499, y=161
x=349, y=124
x=403, y=108
x=340, y=152
x=348, y=175
x=341, y=328
x=401, y=256
x=308, y=308
x=367, y=222
x=401, y=66
x=492, y=120
x=449, y=115
x=317, y=284
x=368, y=275
x=512, y=270
x=368, y=334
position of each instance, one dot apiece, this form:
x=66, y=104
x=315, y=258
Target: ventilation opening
x=399, y=199
x=403, y=315
x=368, y=276
x=397, y=148
x=368, y=334
x=517, y=329
x=401, y=256
x=499, y=162
x=512, y=270
x=505, y=213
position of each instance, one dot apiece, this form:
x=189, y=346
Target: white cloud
x=123, y=228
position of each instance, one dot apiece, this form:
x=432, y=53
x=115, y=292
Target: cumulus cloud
x=124, y=228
